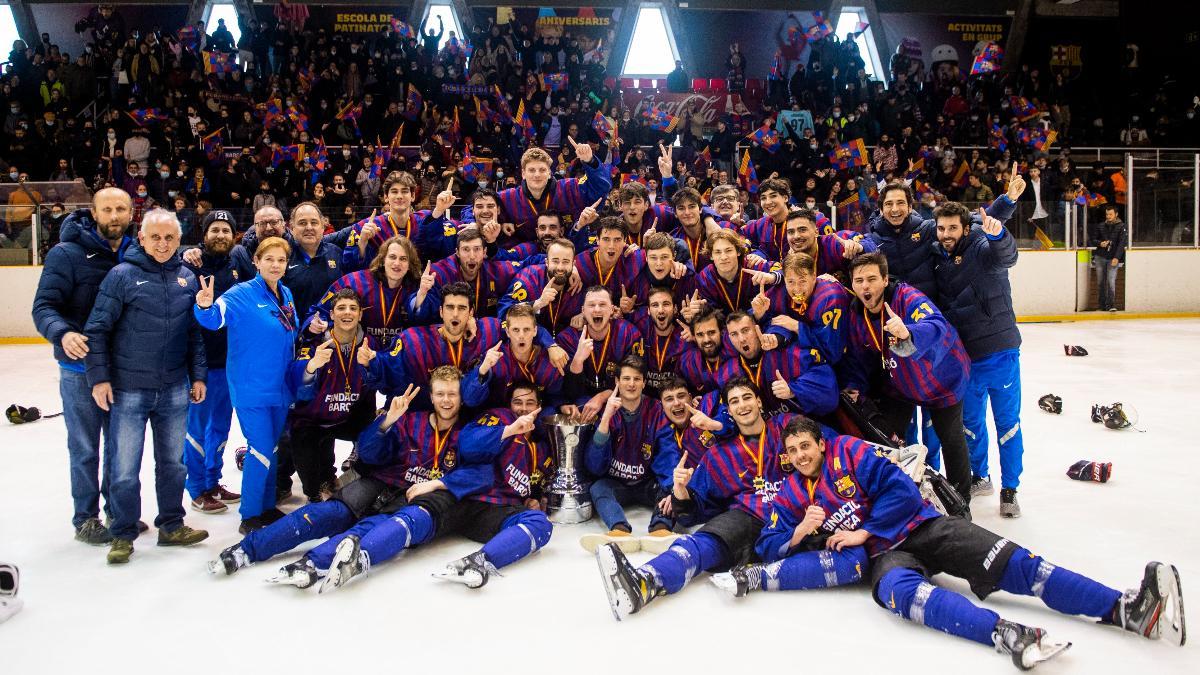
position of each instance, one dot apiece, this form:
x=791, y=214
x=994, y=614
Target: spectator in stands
x=1109, y=240
x=976, y=192
x=678, y=81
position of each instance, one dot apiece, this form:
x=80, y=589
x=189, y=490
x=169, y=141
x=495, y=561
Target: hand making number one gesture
x=895, y=325
x=582, y=150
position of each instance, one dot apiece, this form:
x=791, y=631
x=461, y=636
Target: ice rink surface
x=164, y=613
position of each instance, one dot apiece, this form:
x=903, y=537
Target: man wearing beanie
x=209, y=420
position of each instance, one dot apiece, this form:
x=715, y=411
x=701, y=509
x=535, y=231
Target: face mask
x=810, y=205
x=836, y=114
x=164, y=174
x=499, y=174
x=812, y=146
x=112, y=136
x=14, y=110
x=13, y=175
x=1190, y=115
x=172, y=193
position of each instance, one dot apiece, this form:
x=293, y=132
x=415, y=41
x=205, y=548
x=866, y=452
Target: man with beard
x=315, y=263
x=607, y=265
x=519, y=359
x=903, y=353
x=397, y=193
x=656, y=268
x=546, y=288
x=469, y=265
x=832, y=252
x=808, y=309
x=700, y=363
x=209, y=420
x=597, y=348
x=92, y=242
x=732, y=490
x=661, y=336
x=791, y=379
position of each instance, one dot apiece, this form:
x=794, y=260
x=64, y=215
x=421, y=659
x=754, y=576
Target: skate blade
x=470, y=579
x=725, y=582
x=1042, y=651
x=216, y=567
x=1171, y=625
x=618, y=599
x=342, y=556
x=627, y=544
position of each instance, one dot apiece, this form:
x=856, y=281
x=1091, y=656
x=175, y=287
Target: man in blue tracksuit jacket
x=146, y=361
x=210, y=419
x=974, y=293
x=91, y=243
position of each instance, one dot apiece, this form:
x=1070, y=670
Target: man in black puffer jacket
x=91, y=243
x=146, y=356
x=975, y=295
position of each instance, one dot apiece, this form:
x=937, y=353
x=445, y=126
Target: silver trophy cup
x=568, y=498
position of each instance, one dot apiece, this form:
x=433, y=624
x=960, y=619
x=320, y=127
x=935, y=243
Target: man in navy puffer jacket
x=146, y=360
x=975, y=295
x=91, y=243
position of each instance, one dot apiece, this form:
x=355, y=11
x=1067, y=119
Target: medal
x=535, y=478
x=759, y=483
x=435, y=473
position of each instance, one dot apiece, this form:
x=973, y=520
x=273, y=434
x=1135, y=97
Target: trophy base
x=569, y=509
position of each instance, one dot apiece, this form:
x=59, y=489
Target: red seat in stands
x=699, y=83
x=718, y=83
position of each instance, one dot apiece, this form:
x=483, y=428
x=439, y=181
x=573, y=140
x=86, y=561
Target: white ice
x=164, y=613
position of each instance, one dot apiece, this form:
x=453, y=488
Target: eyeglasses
x=270, y=223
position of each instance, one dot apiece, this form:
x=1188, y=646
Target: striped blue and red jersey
x=389, y=226
x=494, y=387
x=729, y=296
x=386, y=311
x=627, y=454
x=662, y=351
x=324, y=398
x=859, y=489
x=600, y=369
x=521, y=253
x=527, y=286
x=568, y=196
x=767, y=238
x=822, y=317
x=828, y=254
x=699, y=372
x=436, y=238
x=643, y=281
x=493, y=278
x=622, y=273
x=743, y=473
x=935, y=367
x=812, y=382
x=411, y=451
x=659, y=216
x=671, y=442
x=417, y=351
x=521, y=465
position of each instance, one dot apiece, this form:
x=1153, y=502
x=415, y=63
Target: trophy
x=567, y=497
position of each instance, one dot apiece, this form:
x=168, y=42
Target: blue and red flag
x=143, y=116
x=661, y=120
x=1038, y=139
x=996, y=138
x=524, y=122
x=1088, y=198
x=413, y=104
x=602, y=125
x=1022, y=109
x=766, y=138
x=988, y=59
x=961, y=174
x=747, y=177
x=555, y=81
x=820, y=27
x=189, y=37
x=214, y=146
x=296, y=114
x=776, y=72
x=219, y=62
x=474, y=167
x=286, y=153
x=402, y=29
x=381, y=158
x=849, y=154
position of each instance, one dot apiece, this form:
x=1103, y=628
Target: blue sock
x=314, y=521
x=1062, y=590
x=322, y=554
x=520, y=535
x=408, y=527
x=814, y=569
x=911, y=596
x=687, y=556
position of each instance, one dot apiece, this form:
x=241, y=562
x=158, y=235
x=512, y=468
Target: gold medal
x=535, y=478
x=435, y=473
x=759, y=483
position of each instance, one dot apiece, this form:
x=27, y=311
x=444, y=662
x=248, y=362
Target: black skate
x=229, y=561
x=349, y=561
x=739, y=580
x=628, y=590
x=1027, y=646
x=301, y=574
x=1155, y=610
x=472, y=571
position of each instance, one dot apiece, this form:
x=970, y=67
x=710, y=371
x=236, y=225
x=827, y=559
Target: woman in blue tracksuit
x=262, y=329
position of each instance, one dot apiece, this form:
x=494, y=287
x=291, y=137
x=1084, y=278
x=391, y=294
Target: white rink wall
x=1044, y=283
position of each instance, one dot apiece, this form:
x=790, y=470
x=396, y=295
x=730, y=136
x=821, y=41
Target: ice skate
x=301, y=574
x=1155, y=610
x=229, y=561
x=349, y=561
x=739, y=580
x=628, y=590
x=1027, y=646
x=472, y=571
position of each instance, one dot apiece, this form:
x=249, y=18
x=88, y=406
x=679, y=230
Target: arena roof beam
x=1015, y=44
x=26, y=25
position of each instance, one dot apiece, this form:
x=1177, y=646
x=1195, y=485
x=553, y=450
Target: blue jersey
x=859, y=489
x=623, y=272
x=325, y=398
x=521, y=465
x=411, y=451
x=495, y=387
x=742, y=473
x=627, y=454
x=386, y=311
x=732, y=296
x=389, y=226
x=822, y=317
x=528, y=285
x=600, y=370
x=662, y=351
x=671, y=442
x=812, y=381
x=492, y=279
x=699, y=372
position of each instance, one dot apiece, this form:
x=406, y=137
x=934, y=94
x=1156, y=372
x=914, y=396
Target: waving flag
x=286, y=153
x=380, y=159
x=988, y=60
x=918, y=167
x=317, y=159
x=630, y=178
x=661, y=120
x=820, y=27
x=143, y=116
x=766, y=138
x=454, y=133
x=961, y=174
x=414, y=104
x=189, y=37
x=602, y=125
x=706, y=154
x=555, y=81
x=859, y=28
x=1038, y=139
x=351, y=112
x=524, y=122
x=850, y=154
x=747, y=177
x=502, y=107
x=776, y=72
x=850, y=212
x=402, y=29
x=475, y=167
x=396, y=138
x=218, y=62
x=214, y=146
x=296, y=114
x=1088, y=198
x=796, y=36
x=272, y=111
x=1022, y=109
x=304, y=80
x=996, y=138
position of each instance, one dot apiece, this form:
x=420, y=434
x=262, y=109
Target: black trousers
x=307, y=449
x=948, y=423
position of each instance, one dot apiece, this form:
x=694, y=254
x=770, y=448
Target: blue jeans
x=996, y=377
x=1106, y=281
x=609, y=495
x=166, y=411
x=207, y=430
x=85, y=422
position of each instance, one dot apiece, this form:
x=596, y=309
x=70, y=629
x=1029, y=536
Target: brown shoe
x=206, y=503
x=224, y=496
